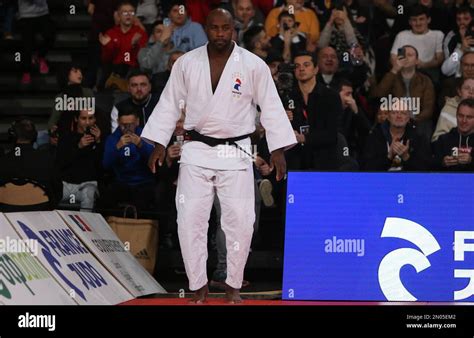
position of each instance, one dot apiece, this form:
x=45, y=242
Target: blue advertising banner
x=379, y=237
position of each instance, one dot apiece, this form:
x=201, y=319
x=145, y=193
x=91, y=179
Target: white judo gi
x=228, y=112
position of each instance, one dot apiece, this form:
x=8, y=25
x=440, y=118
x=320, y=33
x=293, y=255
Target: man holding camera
x=127, y=156
x=405, y=81
x=453, y=151
x=78, y=160
x=290, y=40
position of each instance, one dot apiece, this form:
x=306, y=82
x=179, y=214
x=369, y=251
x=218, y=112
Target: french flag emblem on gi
x=237, y=85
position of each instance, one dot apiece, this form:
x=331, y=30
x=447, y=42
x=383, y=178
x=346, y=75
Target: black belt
x=192, y=135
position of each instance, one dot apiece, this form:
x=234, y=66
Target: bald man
x=219, y=85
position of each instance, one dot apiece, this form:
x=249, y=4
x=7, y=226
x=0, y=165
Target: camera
x=285, y=82
x=285, y=26
x=88, y=131
x=285, y=76
x=401, y=52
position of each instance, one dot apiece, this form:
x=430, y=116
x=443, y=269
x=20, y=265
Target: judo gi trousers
x=195, y=193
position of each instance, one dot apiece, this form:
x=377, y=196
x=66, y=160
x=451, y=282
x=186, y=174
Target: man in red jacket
x=120, y=44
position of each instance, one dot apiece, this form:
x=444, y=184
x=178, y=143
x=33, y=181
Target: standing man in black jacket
x=314, y=119
x=78, y=160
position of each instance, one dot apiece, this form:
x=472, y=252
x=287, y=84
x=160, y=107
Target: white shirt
x=230, y=111
x=427, y=44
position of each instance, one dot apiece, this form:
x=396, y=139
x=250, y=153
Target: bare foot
x=200, y=296
x=232, y=295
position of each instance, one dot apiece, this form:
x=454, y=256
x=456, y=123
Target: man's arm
x=162, y=122
x=278, y=130
x=274, y=120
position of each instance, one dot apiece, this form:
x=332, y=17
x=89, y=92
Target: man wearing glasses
x=120, y=44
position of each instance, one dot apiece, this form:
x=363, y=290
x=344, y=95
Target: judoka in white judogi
x=230, y=111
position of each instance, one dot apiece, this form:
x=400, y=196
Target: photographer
x=290, y=40
x=78, y=160
x=127, y=155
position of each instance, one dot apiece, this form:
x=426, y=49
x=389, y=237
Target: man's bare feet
x=200, y=296
x=232, y=295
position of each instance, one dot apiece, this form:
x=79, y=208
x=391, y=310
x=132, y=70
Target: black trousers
x=29, y=27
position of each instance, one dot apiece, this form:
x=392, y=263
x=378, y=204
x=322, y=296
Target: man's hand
x=398, y=64
x=166, y=33
x=289, y=113
x=277, y=159
x=464, y=158
x=400, y=149
x=136, y=140
x=104, y=39
x=124, y=140
x=352, y=104
x=174, y=151
x=136, y=38
x=449, y=161
x=158, y=154
x=95, y=131
x=85, y=141
x=300, y=137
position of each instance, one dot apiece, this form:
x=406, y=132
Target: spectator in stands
x=78, y=160
x=120, y=44
x=187, y=35
x=141, y=99
x=69, y=79
x=309, y=23
x=453, y=151
x=257, y=41
x=126, y=154
x=428, y=43
x=405, y=81
x=456, y=43
x=394, y=145
x=245, y=17
x=102, y=13
x=25, y=162
x=447, y=118
x=7, y=11
x=290, y=41
x=316, y=110
x=154, y=58
x=339, y=33
x=467, y=71
x=158, y=81
x=328, y=64
x=34, y=18
x=273, y=62
x=353, y=123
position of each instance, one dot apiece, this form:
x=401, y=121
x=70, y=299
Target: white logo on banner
x=391, y=265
